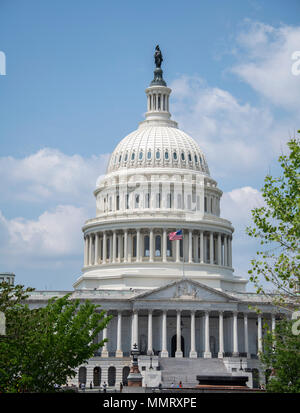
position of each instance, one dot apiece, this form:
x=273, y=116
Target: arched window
x=149, y=155
x=182, y=156
x=118, y=202
x=158, y=246
x=190, y=157
x=127, y=201
x=157, y=155
x=175, y=156
x=146, y=246
x=125, y=374
x=126, y=157
x=132, y=156
x=82, y=375
x=97, y=376
x=141, y=156
x=169, y=200
x=167, y=155
x=120, y=157
x=158, y=200
x=111, y=376
x=205, y=204
x=196, y=159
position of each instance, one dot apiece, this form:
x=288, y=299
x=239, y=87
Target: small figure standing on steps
x=180, y=384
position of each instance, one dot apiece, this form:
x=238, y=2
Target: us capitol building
x=179, y=301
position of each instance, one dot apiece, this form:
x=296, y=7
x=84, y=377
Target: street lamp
x=241, y=366
x=150, y=363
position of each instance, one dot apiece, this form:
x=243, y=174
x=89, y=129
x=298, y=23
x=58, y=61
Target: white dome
x=158, y=146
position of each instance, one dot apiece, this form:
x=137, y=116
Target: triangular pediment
x=185, y=289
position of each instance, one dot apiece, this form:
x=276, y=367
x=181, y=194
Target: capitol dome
x=157, y=182
x=158, y=146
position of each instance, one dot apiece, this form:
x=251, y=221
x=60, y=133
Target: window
x=167, y=155
x=137, y=200
x=110, y=203
x=158, y=246
x=205, y=204
x=134, y=246
x=158, y=200
x=149, y=155
x=120, y=157
x=190, y=157
x=169, y=248
x=126, y=157
x=175, y=156
x=169, y=200
x=196, y=159
x=147, y=201
x=127, y=201
x=211, y=204
x=182, y=156
x=132, y=156
x=118, y=203
x=141, y=156
x=146, y=246
x=157, y=155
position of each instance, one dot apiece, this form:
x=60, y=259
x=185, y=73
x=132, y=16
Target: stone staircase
x=186, y=370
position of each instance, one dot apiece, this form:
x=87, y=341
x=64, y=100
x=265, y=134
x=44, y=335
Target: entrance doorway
x=174, y=345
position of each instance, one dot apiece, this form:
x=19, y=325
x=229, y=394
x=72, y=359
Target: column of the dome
x=138, y=245
x=129, y=246
x=190, y=246
x=211, y=247
x=219, y=249
x=201, y=247
x=86, y=250
x=230, y=252
x=104, y=248
x=164, y=245
x=90, y=249
x=119, y=247
x=151, y=246
x=114, y=246
x=96, y=249
x=225, y=251
x=125, y=245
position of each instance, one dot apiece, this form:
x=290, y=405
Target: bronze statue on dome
x=158, y=56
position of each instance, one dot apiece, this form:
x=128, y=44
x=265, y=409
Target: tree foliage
x=277, y=226
x=281, y=357
x=43, y=346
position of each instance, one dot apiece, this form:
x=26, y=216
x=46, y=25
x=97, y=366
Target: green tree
x=277, y=226
x=281, y=357
x=43, y=346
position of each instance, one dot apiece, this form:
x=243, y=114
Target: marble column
x=230, y=251
x=164, y=351
x=225, y=251
x=207, y=353
x=221, y=335
x=91, y=250
x=104, y=248
x=235, y=352
x=193, y=352
x=119, y=247
x=86, y=250
x=96, y=248
x=150, y=334
x=246, y=337
x=196, y=254
x=114, y=247
x=178, y=352
x=138, y=245
x=151, y=246
x=125, y=245
x=259, y=333
x=190, y=246
x=219, y=250
x=164, y=246
x=119, y=352
x=201, y=247
x=104, y=352
x=211, y=247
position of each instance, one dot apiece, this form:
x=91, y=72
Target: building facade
x=177, y=300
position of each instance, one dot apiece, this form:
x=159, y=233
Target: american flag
x=173, y=236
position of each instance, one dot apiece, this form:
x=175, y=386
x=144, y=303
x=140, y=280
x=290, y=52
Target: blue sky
x=74, y=87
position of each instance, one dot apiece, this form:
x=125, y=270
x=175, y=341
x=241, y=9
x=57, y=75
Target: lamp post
x=135, y=378
x=150, y=363
x=241, y=366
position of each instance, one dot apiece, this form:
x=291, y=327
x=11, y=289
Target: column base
x=207, y=355
x=193, y=355
x=150, y=353
x=119, y=353
x=220, y=355
x=178, y=354
x=104, y=353
x=235, y=354
x=164, y=353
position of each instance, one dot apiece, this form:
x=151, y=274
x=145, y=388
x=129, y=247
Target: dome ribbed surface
x=158, y=146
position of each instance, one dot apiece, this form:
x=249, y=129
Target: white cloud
x=53, y=235
x=232, y=134
x=266, y=62
x=50, y=175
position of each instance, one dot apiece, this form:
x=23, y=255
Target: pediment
x=186, y=290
